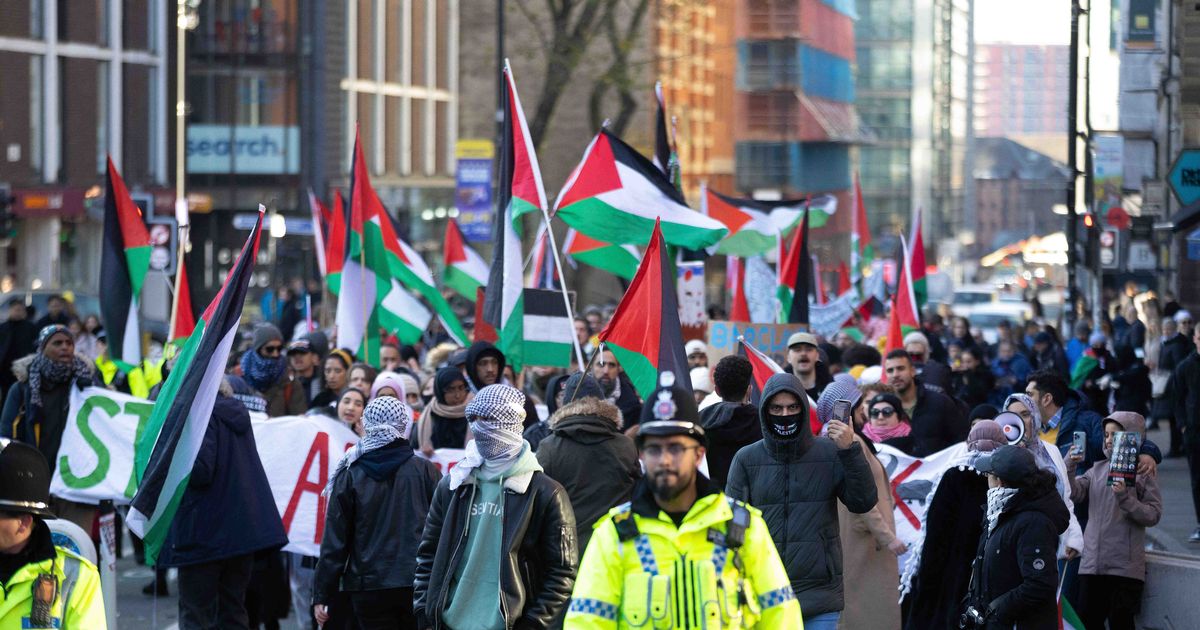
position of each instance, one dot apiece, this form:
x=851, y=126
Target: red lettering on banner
x=904, y=509
x=319, y=451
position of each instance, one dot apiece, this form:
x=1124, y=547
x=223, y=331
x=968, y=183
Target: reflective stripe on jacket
x=78, y=586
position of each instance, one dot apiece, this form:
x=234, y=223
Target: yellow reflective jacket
x=78, y=603
x=660, y=576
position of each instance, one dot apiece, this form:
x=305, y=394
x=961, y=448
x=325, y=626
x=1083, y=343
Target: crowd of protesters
x=574, y=496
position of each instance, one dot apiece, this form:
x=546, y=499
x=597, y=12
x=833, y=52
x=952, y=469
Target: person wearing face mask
x=445, y=423
x=498, y=549
x=264, y=368
x=796, y=479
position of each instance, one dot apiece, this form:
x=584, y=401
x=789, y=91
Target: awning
x=1186, y=218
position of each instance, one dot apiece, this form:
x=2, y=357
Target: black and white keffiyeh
x=497, y=417
x=385, y=420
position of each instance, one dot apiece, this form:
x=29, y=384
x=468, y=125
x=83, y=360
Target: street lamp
x=187, y=17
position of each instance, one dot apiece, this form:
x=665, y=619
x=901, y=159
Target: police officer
x=45, y=586
x=681, y=554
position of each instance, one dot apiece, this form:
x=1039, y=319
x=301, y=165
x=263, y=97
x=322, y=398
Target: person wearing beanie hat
x=869, y=542
x=935, y=581
x=498, y=549
x=797, y=478
x=681, y=530
x=388, y=384
x=588, y=454
x=378, y=500
x=264, y=368
x=412, y=393
x=46, y=585
x=697, y=353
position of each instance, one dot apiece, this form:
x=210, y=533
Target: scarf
x=880, y=435
x=47, y=373
x=497, y=416
x=385, y=420
x=260, y=372
x=997, y=500
x=474, y=462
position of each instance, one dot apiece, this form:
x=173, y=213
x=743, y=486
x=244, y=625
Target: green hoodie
x=474, y=598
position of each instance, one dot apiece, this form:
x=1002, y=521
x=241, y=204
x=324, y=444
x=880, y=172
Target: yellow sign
x=474, y=148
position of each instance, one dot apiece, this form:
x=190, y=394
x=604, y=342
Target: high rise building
x=78, y=81
x=1021, y=94
x=912, y=94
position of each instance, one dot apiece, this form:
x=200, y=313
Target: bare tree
x=622, y=39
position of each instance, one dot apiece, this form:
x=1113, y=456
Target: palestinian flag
x=861, y=252
x=619, y=260
x=735, y=283
x=916, y=263
x=1087, y=361
x=320, y=216
x=185, y=317
x=549, y=329
x=663, y=151
x=906, y=301
x=406, y=265
x=843, y=279
x=464, y=269
x=335, y=245
x=644, y=332
x=166, y=450
x=818, y=282
x=615, y=196
x=895, y=336
x=520, y=192
x=123, y=265
x=543, y=274
x=763, y=368
x=756, y=226
x=1068, y=619
x=795, y=277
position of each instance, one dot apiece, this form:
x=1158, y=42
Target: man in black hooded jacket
x=485, y=366
x=731, y=423
x=795, y=478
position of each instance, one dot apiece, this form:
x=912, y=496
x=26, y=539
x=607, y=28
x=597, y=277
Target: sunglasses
x=886, y=412
x=273, y=349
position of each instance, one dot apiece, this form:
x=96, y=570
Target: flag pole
x=562, y=284
x=362, y=299
x=179, y=270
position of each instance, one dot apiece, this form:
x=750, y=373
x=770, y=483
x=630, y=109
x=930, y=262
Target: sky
x=1023, y=21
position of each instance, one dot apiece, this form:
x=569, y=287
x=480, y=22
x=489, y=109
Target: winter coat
x=376, y=513
x=797, y=483
x=729, y=426
x=476, y=352
x=1133, y=380
x=937, y=423
x=286, y=398
x=1114, y=542
x=1186, y=388
x=1016, y=573
x=18, y=338
x=973, y=387
x=227, y=509
x=539, y=551
x=953, y=526
x=17, y=422
x=869, y=567
x=591, y=458
x=937, y=376
x=1075, y=415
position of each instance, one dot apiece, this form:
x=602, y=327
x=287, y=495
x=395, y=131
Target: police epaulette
x=627, y=528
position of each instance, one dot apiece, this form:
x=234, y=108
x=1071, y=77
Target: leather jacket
x=539, y=555
x=375, y=516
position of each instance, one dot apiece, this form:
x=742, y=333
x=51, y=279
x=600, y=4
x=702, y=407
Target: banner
x=298, y=453
x=913, y=480
x=770, y=339
x=827, y=319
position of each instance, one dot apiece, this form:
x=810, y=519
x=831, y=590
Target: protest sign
x=913, y=480
x=770, y=339
x=827, y=319
x=298, y=453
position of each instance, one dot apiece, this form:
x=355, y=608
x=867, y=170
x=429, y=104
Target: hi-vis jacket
x=77, y=600
x=640, y=571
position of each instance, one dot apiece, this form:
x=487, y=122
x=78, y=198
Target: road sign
x=1141, y=256
x=1110, y=249
x=1185, y=176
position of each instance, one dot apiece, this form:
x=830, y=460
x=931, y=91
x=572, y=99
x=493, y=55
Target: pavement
x=1179, y=515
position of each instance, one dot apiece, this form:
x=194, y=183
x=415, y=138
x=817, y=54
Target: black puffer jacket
x=479, y=350
x=796, y=483
x=539, y=556
x=937, y=422
x=1016, y=572
x=729, y=426
x=592, y=459
x=375, y=517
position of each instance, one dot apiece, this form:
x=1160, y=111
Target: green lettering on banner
x=142, y=410
x=102, y=457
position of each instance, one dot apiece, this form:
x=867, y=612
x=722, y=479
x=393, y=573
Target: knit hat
x=985, y=436
x=265, y=333
x=892, y=400
x=497, y=417
x=580, y=385
x=388, y=379
x=47, y=332
x=1182, y=315
x=837, y=390
x=871, y=375
x=701, y=380
x=409, y=383
x=695, y=346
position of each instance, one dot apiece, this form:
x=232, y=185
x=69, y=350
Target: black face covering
x=784, y=427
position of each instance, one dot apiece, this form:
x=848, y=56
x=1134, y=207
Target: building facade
x=1016, y=190
x=1021, y=93
x=78, y=86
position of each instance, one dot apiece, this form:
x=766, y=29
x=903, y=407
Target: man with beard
x=485, y=366
x=804, y=358
x=796, y=479
x=937, y=422
x=681, y=553
x=618, y=389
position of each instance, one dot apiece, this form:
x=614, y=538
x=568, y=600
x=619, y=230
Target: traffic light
x=8, y=225
x=1091, y=241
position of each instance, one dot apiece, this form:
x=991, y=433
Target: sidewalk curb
x=1164, y=542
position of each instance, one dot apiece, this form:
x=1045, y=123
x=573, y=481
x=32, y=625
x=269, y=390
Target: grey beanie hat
x=265, y=333
x=580, y=385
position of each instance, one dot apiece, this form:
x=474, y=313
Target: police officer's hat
x=670, y=410
x=24, y=479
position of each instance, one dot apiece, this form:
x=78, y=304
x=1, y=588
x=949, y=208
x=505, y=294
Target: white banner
x=298, y=453
x=827, y=319
x=913, y=480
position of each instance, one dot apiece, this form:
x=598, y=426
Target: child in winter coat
x=1113, y=569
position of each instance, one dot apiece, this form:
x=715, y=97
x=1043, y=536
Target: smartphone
x=1079, y=443
x=841, y=411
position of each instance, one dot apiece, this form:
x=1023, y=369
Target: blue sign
x=1185, y=176
x=473, y=198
